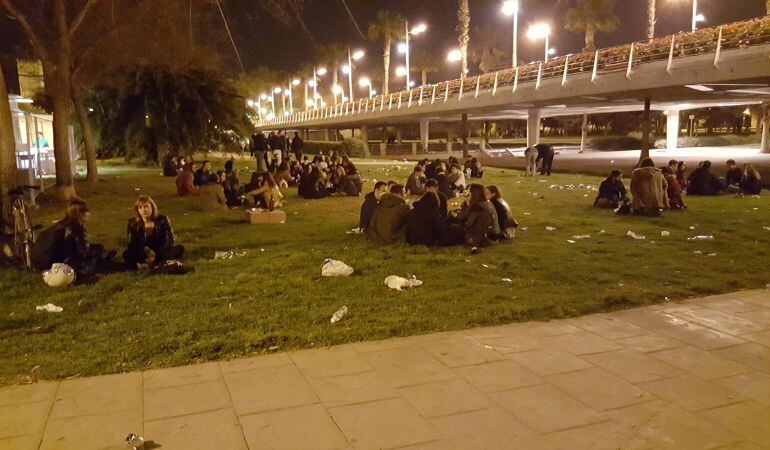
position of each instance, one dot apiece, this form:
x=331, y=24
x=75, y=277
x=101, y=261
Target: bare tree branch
x=75, y=24
x=34, y=37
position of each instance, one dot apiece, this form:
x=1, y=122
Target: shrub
x=350, y=147
x=710, y=141
x=354, y=148
x=614, y=143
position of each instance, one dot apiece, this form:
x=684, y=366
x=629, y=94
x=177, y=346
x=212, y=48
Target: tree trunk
x=424, y=77
x=765, y=127
x=89, y=138
x=590, y=40
x=464, y=131
x=767, y=7
x=651, y=19
x=646, y=130
x=463, y=27
x=61, y=144
x=7, y=155
x=386, y=64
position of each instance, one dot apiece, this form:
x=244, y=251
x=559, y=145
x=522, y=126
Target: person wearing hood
x=479, y=218
x=388, y=222
x=426, y=226
x=702, y=181
x=648, y=189
x=751, y=181
x=612, y=191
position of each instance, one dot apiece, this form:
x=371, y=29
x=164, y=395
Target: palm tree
x=389, y=27
x=591, y=17
x=425, y=62
x=651, y=19
x=463, y=30
x=333, y=55
x=767, y=7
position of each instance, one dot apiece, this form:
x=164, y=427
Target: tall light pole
x=696, y=16
x=366, y=82
x=455, y=56
x=277, y=90
x=317, y=72
x=349, y=70
x=294, y=82
x=511, y=8
x=406, y=49
x=541, y=31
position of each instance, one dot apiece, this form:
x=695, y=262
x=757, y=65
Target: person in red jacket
x=185, y=181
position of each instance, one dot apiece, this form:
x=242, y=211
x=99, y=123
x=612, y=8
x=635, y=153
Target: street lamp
x=366, y=82
x=696, y=16
x=276, y=90
x=454, y=56
x=511, y=8
x=540, y=31
x=337, y=90
x=358, y=54
x=294, y=82
x=404, y=47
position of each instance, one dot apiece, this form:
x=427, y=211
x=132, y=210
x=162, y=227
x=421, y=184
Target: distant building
x=31, y=81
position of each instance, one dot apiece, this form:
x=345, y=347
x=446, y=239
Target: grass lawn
x=275, y=296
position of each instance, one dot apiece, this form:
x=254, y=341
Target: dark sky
x=264, y=41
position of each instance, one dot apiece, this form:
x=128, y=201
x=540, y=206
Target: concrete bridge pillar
x=533, y=127
x=449, y=138
x=365, y=139
x=399, y=137
x=326, y=134
x=672, y=129
x=424, y=134
x=583, y=133
x=765, y=147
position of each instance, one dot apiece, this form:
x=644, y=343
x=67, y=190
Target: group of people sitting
x=387, y=217
x=654, y=190
x=328, y=175
x=150, y=242
x=449, y=175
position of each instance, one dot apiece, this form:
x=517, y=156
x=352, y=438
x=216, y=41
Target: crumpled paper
x=334, y=268
x=399, y=283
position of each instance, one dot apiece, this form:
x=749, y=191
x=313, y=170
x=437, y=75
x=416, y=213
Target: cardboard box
x=257, y=216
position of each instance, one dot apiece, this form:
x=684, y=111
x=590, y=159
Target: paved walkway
x=676, y=375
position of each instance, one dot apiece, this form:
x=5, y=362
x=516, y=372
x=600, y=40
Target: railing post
x=446, y=94
x=419, y=102
x=671, y=55
x=433, y=97
x=515, y=81
x=596, y=67
x=390, y=102
x=478, y=85
x=399, y=101
x=462, y=88
x=539, y=75
x=494, y=88
x=630, y=61
x=409, y=103
x=719, y=49
x=566, y=66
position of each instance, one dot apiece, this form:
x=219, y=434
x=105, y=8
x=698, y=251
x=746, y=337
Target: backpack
x=46, y=244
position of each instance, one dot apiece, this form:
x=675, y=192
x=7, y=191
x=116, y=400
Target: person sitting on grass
x=702, y=181
x=432, y=186
x=751, y=181
x=505, y=218
x=371, y=200
x=350, y=168
x=734, y=173
x=185, y=182
x=212, y=195
x=314, y=185
x=479, y=218
x=612, y=191
x=388, y=222
x=444, y=185
x=150, y=237
x=457, y=178
x=72, y=246
x=674, y=191
x=415, y=184
x=681, y=174
x=648, y=190
x=426, y=226
x=476, y=170
x=203, y=174
x=283, y=176
x=267, y=195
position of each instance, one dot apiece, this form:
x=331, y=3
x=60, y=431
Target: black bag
x=46, y=246
x=624, y=209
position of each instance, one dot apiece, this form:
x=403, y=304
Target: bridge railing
x=601, y=62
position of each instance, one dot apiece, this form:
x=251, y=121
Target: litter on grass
x=334, y=268
x=399, y=283
x=49, y=307
x=507, y=280
x=228, y=254
x=339, y=314
x=571, y=241
x=635, y=236
x=578, y=237
x=487, y=266
x=701, y=238
x=665, y=233
x=602, y=231
x=355, y=231
x=550, y=229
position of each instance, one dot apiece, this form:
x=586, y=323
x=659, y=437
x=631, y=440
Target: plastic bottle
x=339, y=314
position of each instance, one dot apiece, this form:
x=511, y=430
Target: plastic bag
x=399, y=283
x=334, y=268
x=635, y=236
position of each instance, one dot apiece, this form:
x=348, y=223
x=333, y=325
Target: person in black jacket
x=734, y=173
x=370, y=204
x=424, y=224
x=444, y=185
x=479, y=218
x=314, y=186
x=504, y=215
x=702, y=181
x=297, y=145
x=612, y=191
x=150, y=237
x=545, y=153
x=72, y=246
x=432, y=186
x=259, y=150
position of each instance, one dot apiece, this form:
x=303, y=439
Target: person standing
x=545, y=153
x=297, y=145
x=259, y=150
x=531, y=160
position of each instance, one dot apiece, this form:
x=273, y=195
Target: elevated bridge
x=720, y=66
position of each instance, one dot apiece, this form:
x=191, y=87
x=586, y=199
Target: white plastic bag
x=635, y=236
x=334, y=268
x=398, y=283
x=59, y=275
x=49, y=307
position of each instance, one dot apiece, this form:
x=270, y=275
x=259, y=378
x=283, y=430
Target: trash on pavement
x=635, y=236
x=339, y=314
x=134, y=441
x=334, y=268
x=398, y=283
x=49, y=307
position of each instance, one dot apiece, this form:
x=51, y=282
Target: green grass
x=276, y=297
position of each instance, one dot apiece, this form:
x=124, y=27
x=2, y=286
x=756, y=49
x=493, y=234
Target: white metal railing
x=624, y=58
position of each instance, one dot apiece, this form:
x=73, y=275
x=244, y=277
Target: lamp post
x=317, y=72
x=349, y=70
x=541, y=31
x=696, y=16
x=366, y=82
x=337, y=90
x=406, y=50
x=294, y=82
x=511, y=8
x=277, y=90
x=455, y=56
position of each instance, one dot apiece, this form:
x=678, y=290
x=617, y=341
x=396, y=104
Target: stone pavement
x=677, y=375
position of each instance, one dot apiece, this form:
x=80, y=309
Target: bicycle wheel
x=23, y=234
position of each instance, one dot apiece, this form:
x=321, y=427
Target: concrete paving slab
x=405, y=366
x=753, y=385
x=269, y=388
x=281, y=430
x=599, y=389
x=633, y=366
x=178, y=376
x=213, y=429
x=354, y=388
x=491, y=429
x=104, y=431
x=442, y=398
x=186, y=399
x=94, y=395
x=700, y=362
x=498, y=376
x=693, y=393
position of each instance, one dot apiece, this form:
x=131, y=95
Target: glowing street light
x=263, y=96
x=401, y=71
x=454, y=56
x=366, y=82
x=403, y=47
x=352, y=56
x=696, y=16
x=511, y=8
x=317, y=72
x=540, y=31
x=337, y=90
x=250, y=102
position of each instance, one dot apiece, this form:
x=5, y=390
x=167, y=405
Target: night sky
x=263, y=41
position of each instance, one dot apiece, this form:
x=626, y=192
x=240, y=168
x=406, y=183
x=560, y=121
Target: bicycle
x=23, y=230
